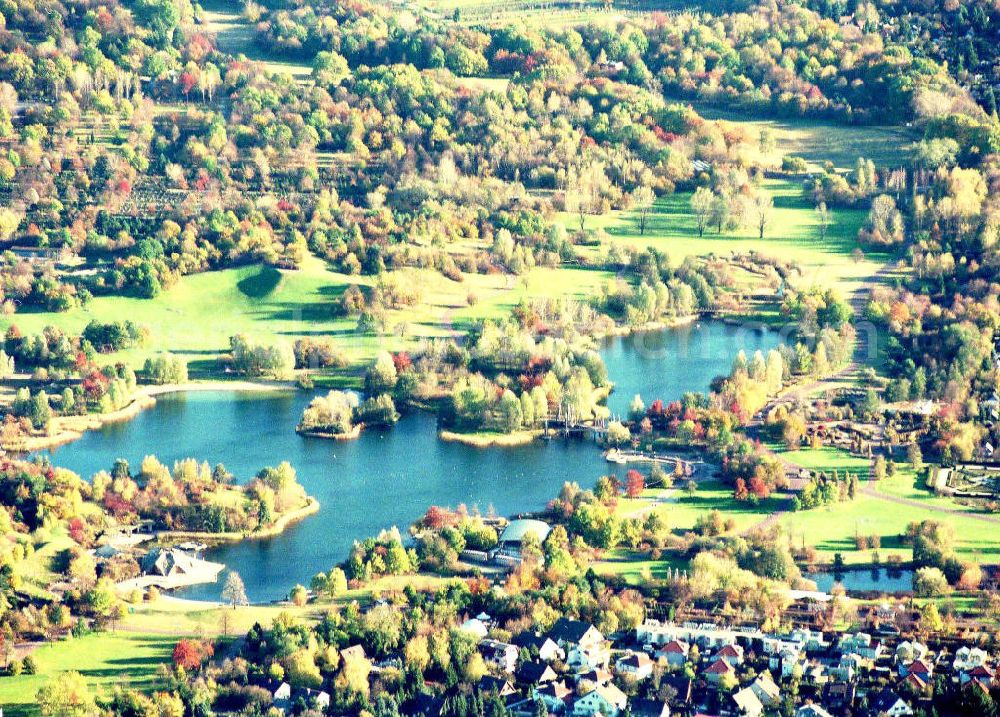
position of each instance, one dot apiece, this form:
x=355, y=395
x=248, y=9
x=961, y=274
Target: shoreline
x=351, y=435
x=66, y=429
x=622, y=331
x=490, y=440
x=276, y=528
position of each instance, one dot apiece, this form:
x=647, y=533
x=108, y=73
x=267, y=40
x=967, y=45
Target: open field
x=827, y=460
x=792, y=235
x=105, y=660
x=196, y=317
x=635, y=567
x=236, y=36
x=817, y=141
x=831, y=529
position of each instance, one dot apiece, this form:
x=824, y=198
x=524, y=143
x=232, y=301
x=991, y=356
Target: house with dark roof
x=556, y=696
x=648, y=708
x=425, y=705
x=888, y=704
x=534, y=673
x=489, y=684
x=574, y=633
x=682, y=689
x=981, y=673
x=546, y=647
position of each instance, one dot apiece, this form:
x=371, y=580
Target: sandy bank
x=487, y=440
x=66, y=429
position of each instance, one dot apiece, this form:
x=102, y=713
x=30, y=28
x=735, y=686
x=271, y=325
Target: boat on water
x=615, y=456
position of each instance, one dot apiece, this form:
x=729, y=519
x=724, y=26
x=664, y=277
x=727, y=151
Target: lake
x=388, y=478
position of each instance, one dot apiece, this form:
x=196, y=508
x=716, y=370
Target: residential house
x=584, y=644
x=499, y=655
x=861, y=643
x=748, y=703
x=636, y=665
x=815, y=674
x=592, y=678
x=555, y=695
x=281, y=695
x=476, y=626
x=920, y=668
x=489, y=684
x=425, y=705
x=354, y=652
x=575, y=633
x=547, y=649
x=715, y=672
x=315, y=699
x=708, y=637
x=981, y=673
x=767, y=692
x=790, y=662
x=674, y=652
x=733, y=654
x=847, y=667
x=535, y=673
x=602, y=700
x=648, y=708
x=888, y=704
x=681, y=689
x=812, y=710
x=839, y=697
x=967, y=658
x=907, y=651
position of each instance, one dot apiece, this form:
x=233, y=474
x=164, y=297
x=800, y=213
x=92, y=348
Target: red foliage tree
x=190, y=654
x=759, y=488
x=634, y=483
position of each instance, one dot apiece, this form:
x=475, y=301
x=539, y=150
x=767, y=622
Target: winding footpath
x=865, y=352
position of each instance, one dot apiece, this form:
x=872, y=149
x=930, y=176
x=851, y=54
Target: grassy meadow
x=195, y=318
x=817, y=141
x=105, y=660
x=792, y=234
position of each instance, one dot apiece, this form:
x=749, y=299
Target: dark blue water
x=388, y=478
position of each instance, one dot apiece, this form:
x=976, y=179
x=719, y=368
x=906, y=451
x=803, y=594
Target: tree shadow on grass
x=261, y=284
x=296, y=311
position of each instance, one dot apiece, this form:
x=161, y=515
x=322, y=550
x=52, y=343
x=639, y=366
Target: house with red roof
x=719, y=669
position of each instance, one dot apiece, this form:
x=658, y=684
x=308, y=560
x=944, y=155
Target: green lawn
x=828, y=459
x=910, y=485
x=792, y=235
x=632, y=566
x=714, y=495
x=105, y=660
x=196, y=317
x=831, y=529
